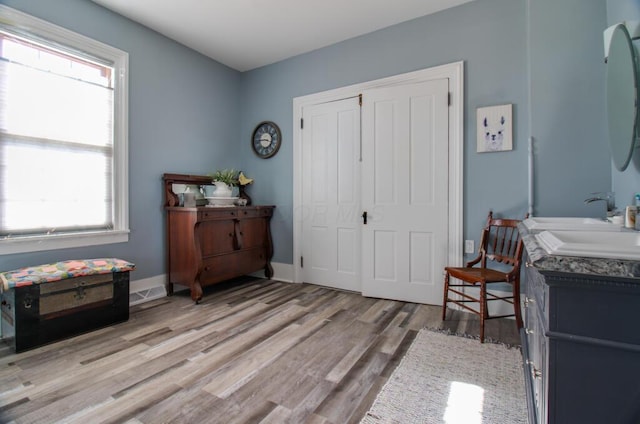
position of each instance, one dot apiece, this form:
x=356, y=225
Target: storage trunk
x=37, y=314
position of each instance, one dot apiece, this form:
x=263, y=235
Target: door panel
x=405, y=156
x=331, y=237
x=385, y=268
x=419, y=262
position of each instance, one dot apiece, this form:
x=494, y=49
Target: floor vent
x=146, y=295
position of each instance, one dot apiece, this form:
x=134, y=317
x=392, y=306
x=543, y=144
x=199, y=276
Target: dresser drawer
x=224, y=267
x=217, y=213
x=252, y=259
x=254, y=212
x=219, y=268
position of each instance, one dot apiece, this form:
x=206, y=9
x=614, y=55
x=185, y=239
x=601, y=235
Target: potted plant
x=224, y=180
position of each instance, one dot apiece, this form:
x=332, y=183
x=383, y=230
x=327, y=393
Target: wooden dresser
x=207, y=245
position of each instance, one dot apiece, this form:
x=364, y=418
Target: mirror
x=622, y=93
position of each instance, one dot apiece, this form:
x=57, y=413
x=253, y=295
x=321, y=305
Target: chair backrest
x=501, y=242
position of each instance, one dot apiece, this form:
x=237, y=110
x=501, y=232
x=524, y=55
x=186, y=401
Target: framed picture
x=495, y=129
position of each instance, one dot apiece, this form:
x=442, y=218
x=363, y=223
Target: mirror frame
x=622, y=106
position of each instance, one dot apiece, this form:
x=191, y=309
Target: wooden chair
x=500, y=244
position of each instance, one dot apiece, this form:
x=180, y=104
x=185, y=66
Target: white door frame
x=455, y=73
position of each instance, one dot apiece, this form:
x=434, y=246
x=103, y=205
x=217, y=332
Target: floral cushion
x=61, y=270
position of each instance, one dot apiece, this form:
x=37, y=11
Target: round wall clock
x=266, y=139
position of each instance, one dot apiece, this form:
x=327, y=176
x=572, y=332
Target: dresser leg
x=169, y=288
x=196, y=292
x=268, y=271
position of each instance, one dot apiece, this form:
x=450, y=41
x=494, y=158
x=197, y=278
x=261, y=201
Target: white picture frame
x=494, y=128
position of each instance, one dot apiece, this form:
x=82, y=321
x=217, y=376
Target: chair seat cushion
x=477, y=275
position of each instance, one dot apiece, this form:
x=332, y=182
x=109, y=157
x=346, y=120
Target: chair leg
x=446, y=295
x=516, y=303
x=483, y=309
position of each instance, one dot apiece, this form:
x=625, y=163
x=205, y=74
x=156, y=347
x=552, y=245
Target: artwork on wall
x=495, y=129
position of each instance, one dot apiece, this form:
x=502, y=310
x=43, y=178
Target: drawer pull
x=230, y=234
x=535, y=373
x=528, y=331
x=528, y=264
x=528, y=301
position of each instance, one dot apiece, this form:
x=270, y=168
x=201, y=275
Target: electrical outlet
x=468, y=246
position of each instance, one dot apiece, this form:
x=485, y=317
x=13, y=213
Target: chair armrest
x=481, y=251
x=474, y=261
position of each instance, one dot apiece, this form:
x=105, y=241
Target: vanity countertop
x=539, y=258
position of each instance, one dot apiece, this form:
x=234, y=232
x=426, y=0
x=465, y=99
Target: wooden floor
x=255, y=351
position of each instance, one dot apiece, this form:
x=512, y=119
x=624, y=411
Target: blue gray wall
x=183, y=116
x=189, y=114
x=509, y=47
x=567, y=106
x=625, y=183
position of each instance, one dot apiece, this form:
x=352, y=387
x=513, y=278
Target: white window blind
x=62, y=136
x=56, y=145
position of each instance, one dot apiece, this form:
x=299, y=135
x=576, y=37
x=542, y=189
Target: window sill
x=61, y=241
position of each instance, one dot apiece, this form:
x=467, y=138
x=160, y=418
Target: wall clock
x=266, y=139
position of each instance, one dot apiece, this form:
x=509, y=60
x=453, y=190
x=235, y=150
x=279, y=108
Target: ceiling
x=247, y=34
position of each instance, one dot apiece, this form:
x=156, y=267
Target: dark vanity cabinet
x=581, y=347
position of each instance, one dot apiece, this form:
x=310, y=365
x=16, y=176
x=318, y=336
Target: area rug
x=454, y=380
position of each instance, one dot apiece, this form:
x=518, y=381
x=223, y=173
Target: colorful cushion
x=61, y=270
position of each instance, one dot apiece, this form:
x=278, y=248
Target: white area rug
x=453, y=380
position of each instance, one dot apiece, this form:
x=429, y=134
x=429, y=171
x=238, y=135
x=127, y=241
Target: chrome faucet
x=608, y=197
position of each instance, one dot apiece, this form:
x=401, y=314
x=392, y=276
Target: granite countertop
x=541, y=260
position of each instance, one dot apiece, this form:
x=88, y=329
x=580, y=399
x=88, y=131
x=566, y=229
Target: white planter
x=222, y=189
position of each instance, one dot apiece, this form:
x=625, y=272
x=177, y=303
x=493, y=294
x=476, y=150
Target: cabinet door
x=216, y=237
x=539, y=369
x=252, y=233
x=534, y=315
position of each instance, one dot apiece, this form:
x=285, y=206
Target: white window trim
x=34, y=26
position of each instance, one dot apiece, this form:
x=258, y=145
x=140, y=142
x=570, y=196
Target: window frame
x=26, y=25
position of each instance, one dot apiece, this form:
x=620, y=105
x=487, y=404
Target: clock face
x=266, y=139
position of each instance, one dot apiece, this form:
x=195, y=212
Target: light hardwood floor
x=254, y=351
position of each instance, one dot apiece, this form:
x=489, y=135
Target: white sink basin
x=597, y=244
x=569, y=224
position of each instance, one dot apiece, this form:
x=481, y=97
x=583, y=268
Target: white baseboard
x=281, y=272
x=154, y=288
x=151, y=288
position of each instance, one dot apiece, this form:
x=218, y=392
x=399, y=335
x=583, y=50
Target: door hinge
x=360, y=99
x=301, y=123
x=449, y=99
x=301, y=262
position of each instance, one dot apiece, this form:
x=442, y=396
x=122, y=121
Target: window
x=63, y=137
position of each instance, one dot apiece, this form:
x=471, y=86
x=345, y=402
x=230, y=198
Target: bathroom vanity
x=580, y=340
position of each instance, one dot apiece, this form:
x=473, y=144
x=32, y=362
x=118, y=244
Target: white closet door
x=405, y=191
x=331, y=236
